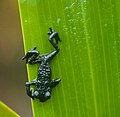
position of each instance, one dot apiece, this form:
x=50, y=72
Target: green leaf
x=89, y=59
x=5, y=111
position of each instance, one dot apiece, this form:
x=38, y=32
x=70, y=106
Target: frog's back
x=44, y=70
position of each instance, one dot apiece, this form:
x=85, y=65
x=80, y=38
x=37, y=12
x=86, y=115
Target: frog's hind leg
x=51, y=55
x=55, y=82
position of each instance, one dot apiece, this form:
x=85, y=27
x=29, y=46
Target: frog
x=41, y=87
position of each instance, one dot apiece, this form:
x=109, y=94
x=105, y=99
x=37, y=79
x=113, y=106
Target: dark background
x=13, y=74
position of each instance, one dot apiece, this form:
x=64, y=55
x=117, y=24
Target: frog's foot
x=31, y=54
x=54, y=35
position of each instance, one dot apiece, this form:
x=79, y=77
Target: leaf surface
x=89, y=59
x=5, y=111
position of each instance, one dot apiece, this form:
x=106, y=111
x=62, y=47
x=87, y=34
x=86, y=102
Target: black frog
x=43, y=84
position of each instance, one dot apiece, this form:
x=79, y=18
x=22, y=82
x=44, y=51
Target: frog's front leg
x=54, y=82
x=30, y=92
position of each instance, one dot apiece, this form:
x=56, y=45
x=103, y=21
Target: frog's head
x=43, y=94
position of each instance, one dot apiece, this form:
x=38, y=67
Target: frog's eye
x=47, y=95
x=36, y=93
